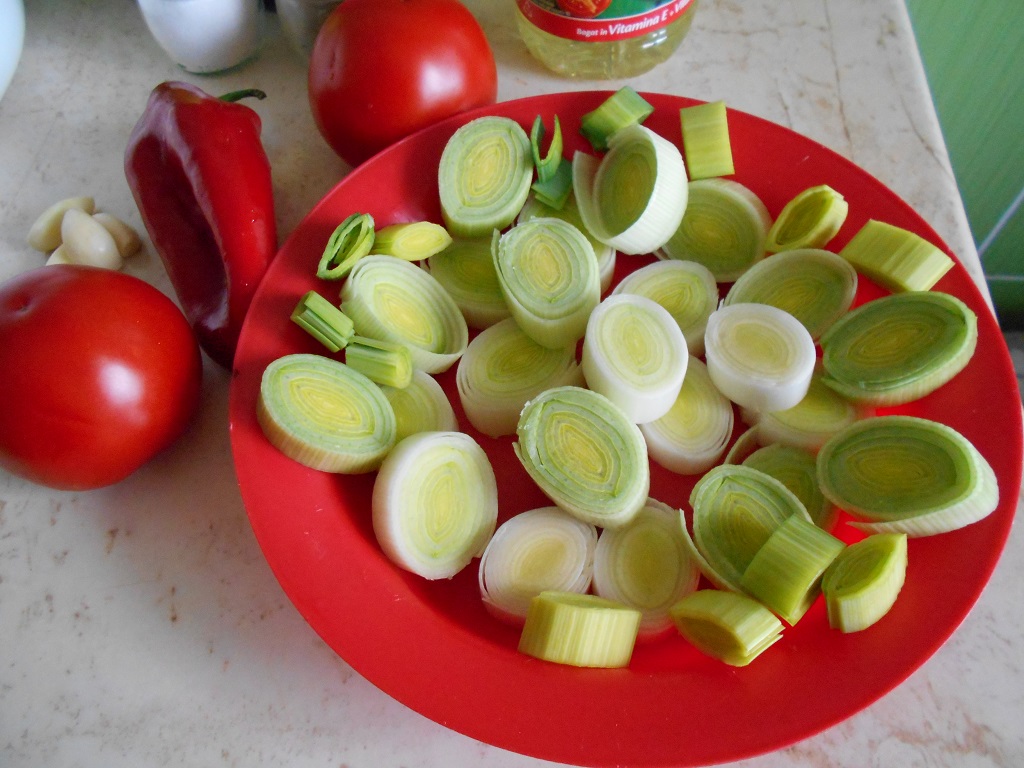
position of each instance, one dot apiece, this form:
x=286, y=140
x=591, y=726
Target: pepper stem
x=245, y=93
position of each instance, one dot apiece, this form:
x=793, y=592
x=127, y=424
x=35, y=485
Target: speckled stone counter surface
x=140, y=624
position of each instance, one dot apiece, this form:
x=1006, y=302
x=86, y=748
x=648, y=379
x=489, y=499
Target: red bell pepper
x=201, y=179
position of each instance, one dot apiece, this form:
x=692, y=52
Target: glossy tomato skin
x=382, y=69
x=100, y=372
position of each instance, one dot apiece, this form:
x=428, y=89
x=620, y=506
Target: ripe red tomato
x=382, y=69
x=584, y=9
x=100, y=372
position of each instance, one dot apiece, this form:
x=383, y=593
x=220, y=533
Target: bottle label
x=601, y=20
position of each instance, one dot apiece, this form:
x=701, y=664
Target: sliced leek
x=899, y=348
x=634, y=197
x=324, y=414
x=382, y=362
x=350, y=242
x=422, y=406
x=727, y=626
x=435, y=503
x=623, y=108
x=557, y=190
x=796, y=468
x=809, y=220
x=896, y=258
x=323, y=321
x=579, y=630
x=646, y=565
x=484, y=176
x=635, y=355
x=695, y=432
x=817, y=287
x=396, y=301
x=705, y=129
x=502, y=369
x=412, y=241
x=760, y=357
x=532, y=552
x=546, y=165
x=904, y=474
x=466, y=270
x=745, y=444
x=862, y=584
x=724, y=228
x=548, y=274
x=585, y=455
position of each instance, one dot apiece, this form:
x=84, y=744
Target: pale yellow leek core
x=579, y=630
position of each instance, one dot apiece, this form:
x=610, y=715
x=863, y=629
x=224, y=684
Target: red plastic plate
x=432, y=645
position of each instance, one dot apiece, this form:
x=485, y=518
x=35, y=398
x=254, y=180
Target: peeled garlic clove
x=44, y=234
x=59, y=256
x=88, y=242
x=125, y=237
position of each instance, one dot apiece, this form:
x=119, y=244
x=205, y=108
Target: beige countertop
x=140, y=624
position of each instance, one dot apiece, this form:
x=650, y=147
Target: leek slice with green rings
x=435, y=503
x=796, y=468
x=532, y=552
x=502, y=369
x=809, y=220
x=484, y=176
x=759, y=356
x=646, y=565
x=422, y=406
x=634, y=197
x=706, y=144
x=549, y=277
x=896, y=258
x=412, y=241
x=693, y=435
x=324, y=414
x=466, y=270
x=685, y=288
x=727, y=626
x=579, y=630
x=585, y=455
x=899, y=348
x=350, y=241
x=817, y=287
x=396, y=301
x=635, y=355
x=724, y=228
x=904, y=474
x=745, y=444
x=862, y=584
x=623, y=108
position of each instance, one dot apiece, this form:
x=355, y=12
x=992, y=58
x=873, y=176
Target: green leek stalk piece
x=466, y=270
x=727, y=626
x=785, y=574
x=623, y=108
x=635, y=355
x=863, y=582
x=817, y=287
x=899, y=348
x=556, y=191
x=585, y=455
x=396, y=301
x=535, y=551
x=547, y=166
x=904, y=474
x=422, y=406
x=809, y=220
x=549, y=277
x=323, y=321
x=705, y=129
x=484, y=176
x=724, y=228
x=502, y=369
x=412, y=241
x=324, y=414
x=646, y=565
x=693, y=435
x=579, y=630
x=759, y=356
x=435, y=503
x=382, y=362
x=685, y=288
x=634, y=197
x=350, y=242
x=796, y=468
x=896, y=258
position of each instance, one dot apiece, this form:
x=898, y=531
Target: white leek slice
x=502, y=369
x=325, y=415
x=695, y=432
x=396, y=301
x=422, y=406
x=904, y=474
x=724, y=228
x=435, y=503
x=579, y=630
x=760, y=357
x=585, y=455
x=685, y=288
x=862, y=584
x=548, y=274
x=809, y=220
x=634, y=197
x=466, y=270
x=817, y=287
x=532, y=552
x=646, y=566
x=484, y=176
x=796, y=468
x=635, y=355
x=745, y=445
x=727, y=626
x=412, y=240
